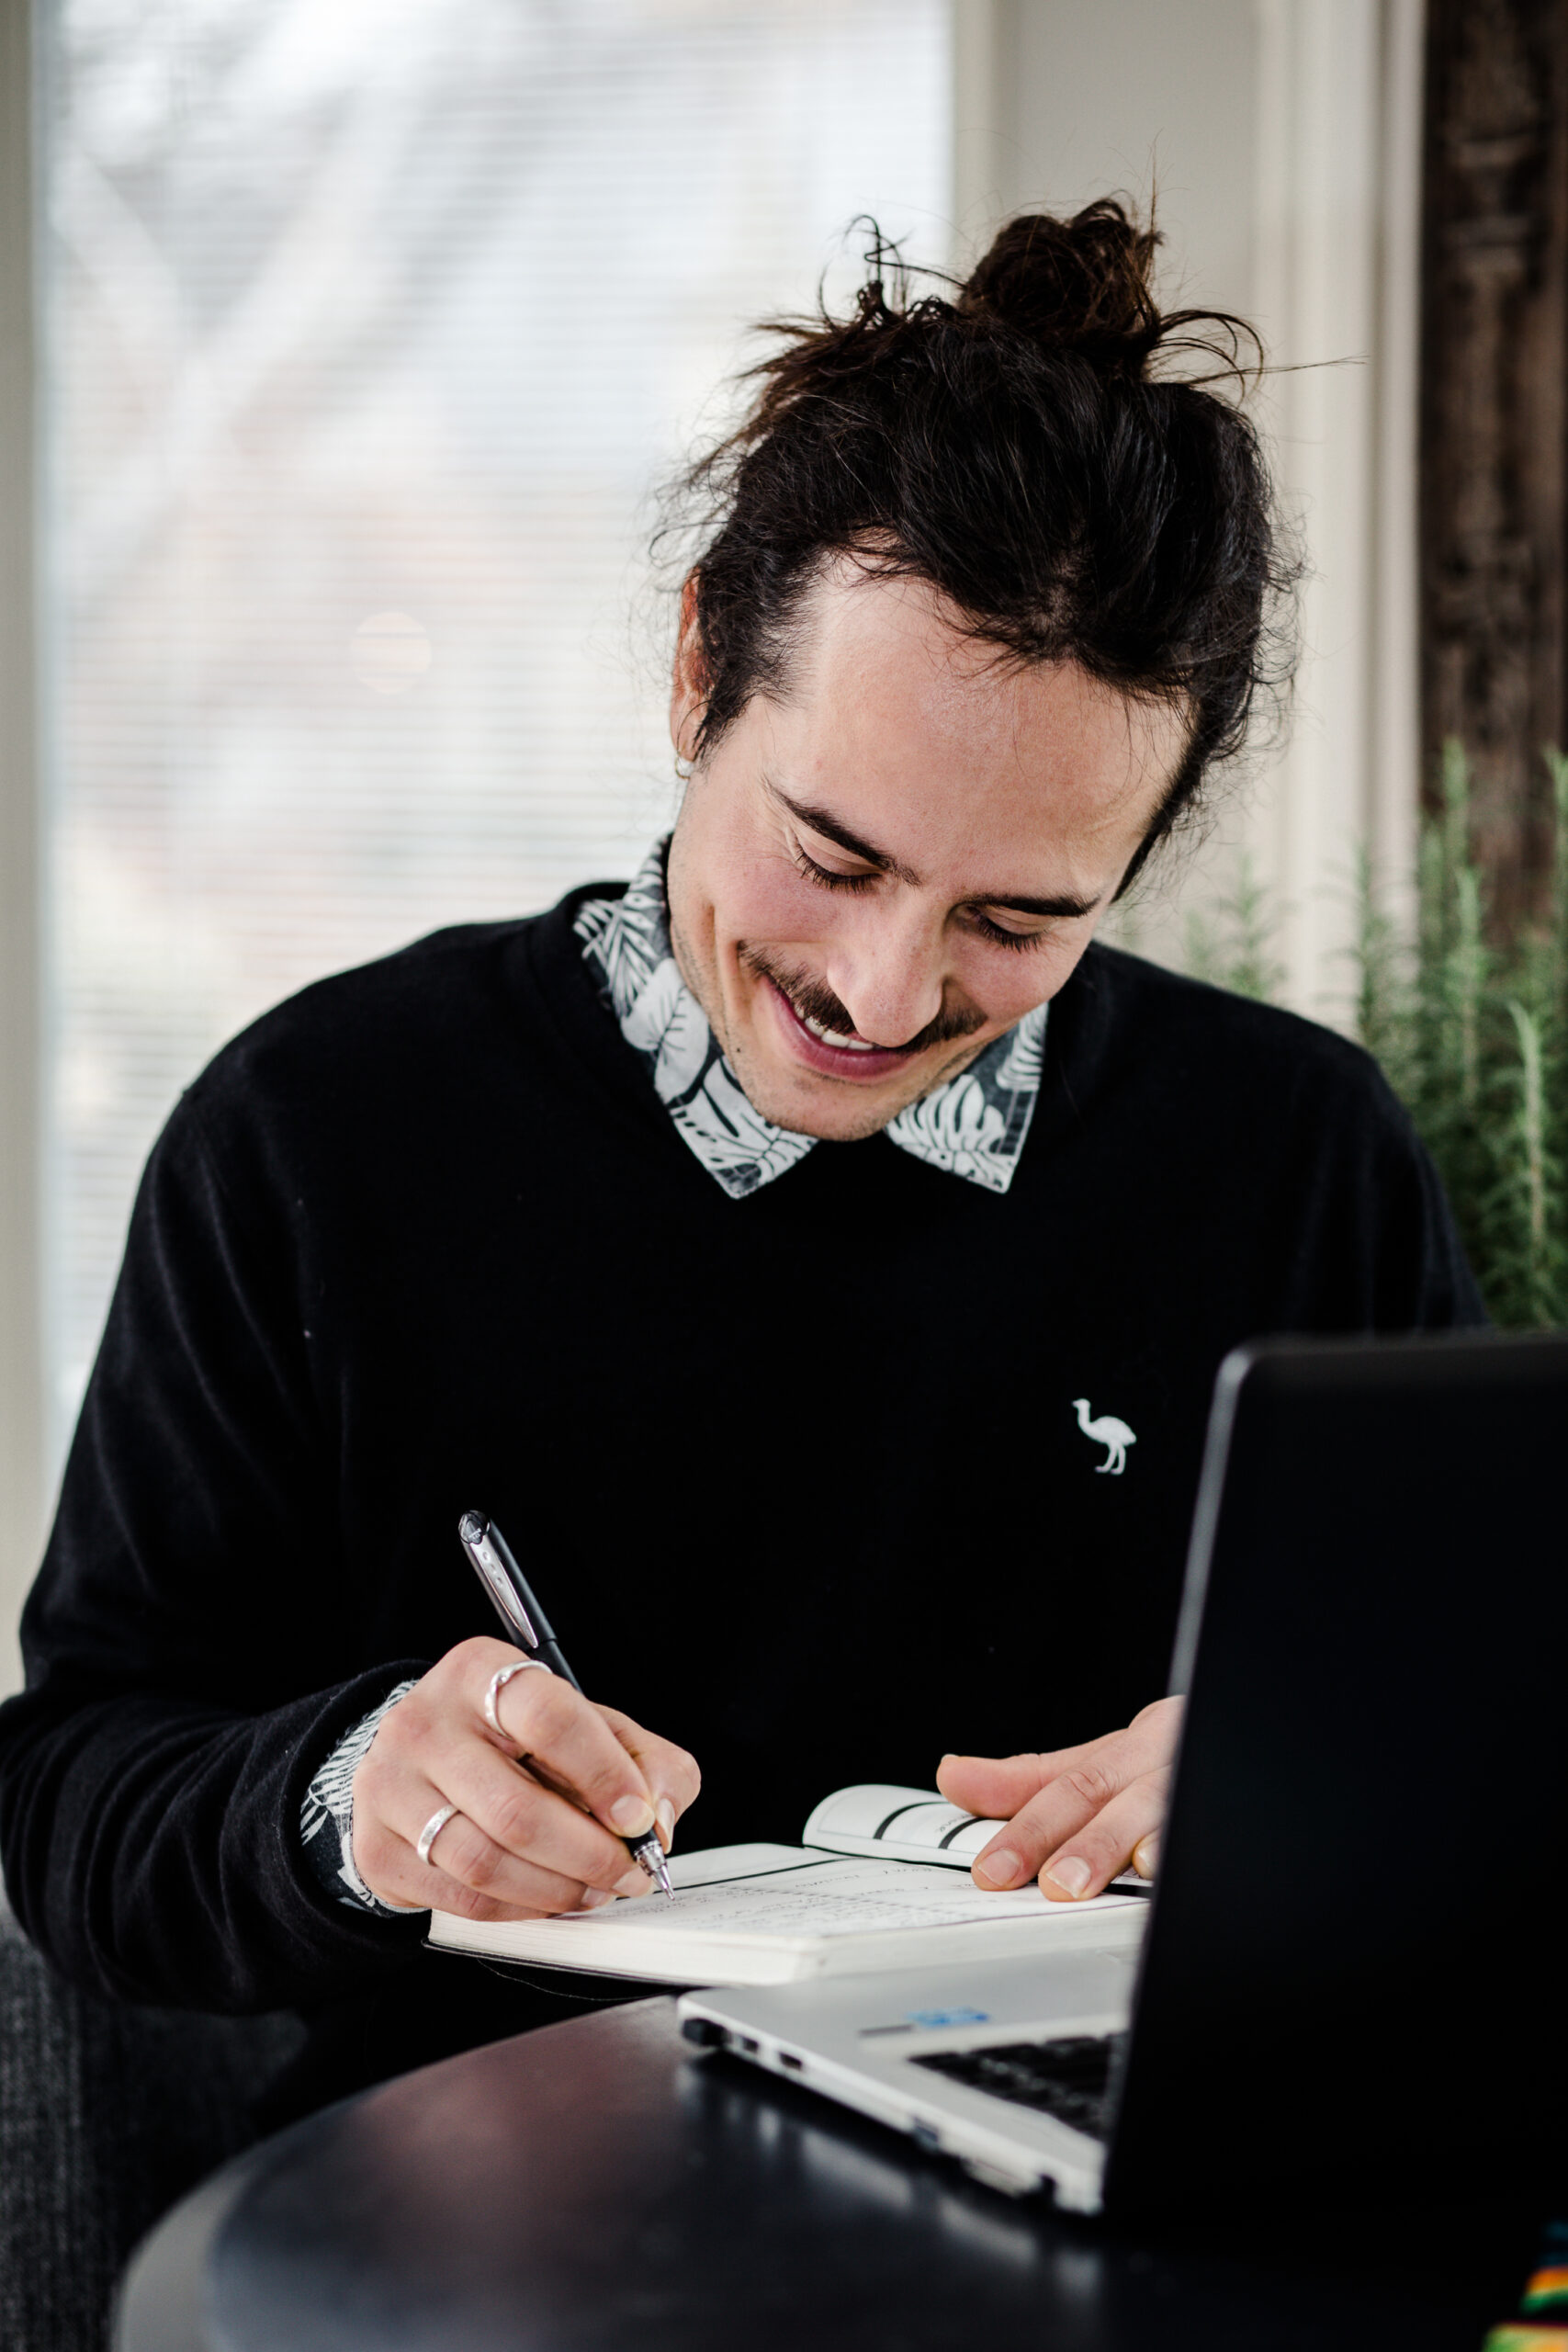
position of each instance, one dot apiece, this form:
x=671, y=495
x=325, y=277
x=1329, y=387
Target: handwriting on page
x=848, y=1898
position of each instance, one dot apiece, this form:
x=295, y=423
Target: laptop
x=1355, y=1972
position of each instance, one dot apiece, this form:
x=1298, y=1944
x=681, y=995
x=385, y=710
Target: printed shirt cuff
x=326, y=1817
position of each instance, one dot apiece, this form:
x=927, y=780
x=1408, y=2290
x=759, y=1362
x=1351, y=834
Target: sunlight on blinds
x=371, y=323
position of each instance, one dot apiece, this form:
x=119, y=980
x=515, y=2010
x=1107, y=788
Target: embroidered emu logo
x=1108, y=1431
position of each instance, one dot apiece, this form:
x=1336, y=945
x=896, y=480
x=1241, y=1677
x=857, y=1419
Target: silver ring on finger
x=498, y=1683
x=432, y=1830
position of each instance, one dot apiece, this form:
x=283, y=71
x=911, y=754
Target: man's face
x=881, y=871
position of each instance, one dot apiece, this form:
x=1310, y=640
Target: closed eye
x=999, y=937
x=807, y=865
x=995, y=933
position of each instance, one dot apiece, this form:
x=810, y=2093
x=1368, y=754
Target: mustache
x=814, y=998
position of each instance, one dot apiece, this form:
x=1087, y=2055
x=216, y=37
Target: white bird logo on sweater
x=1108, y=1431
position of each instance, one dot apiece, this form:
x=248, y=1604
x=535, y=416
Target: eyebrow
x=1063, y=907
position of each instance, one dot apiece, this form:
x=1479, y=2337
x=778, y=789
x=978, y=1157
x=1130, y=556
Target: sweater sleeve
x=326, y=1817
x=188, y=1643
x=1414, y=1273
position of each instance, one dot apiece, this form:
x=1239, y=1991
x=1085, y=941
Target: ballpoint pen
x=527, y=1625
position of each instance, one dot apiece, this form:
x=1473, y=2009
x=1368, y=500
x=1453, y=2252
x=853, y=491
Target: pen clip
x=482, y=1553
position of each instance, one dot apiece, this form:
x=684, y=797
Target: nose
x=888, y=977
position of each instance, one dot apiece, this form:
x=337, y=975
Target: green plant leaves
x=1473, y=1036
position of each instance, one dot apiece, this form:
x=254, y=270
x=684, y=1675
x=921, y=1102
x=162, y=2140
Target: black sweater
x=799, y=1476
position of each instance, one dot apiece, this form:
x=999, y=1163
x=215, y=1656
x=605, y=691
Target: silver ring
x=431, y=1831
x=498, y=1683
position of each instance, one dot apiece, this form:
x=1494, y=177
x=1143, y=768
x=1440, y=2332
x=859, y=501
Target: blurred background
x=342, y=345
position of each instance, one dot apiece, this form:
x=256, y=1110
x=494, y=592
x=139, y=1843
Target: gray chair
x=108, y=2115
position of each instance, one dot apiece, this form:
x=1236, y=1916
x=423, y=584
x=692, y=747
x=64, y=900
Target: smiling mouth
x=830, y=1052
x=836, y=1037
x=817, y=1029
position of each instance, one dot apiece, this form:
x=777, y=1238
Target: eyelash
x=992, y=932
x=815, y=873
x=1016, y=940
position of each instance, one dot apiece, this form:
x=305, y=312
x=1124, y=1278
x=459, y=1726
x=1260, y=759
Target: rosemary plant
x=1230, y=943
x=1472, y=1035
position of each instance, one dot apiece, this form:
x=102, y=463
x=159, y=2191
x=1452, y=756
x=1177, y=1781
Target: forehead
x=889, y=700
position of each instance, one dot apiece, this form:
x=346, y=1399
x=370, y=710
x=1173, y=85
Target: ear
x=691, y=683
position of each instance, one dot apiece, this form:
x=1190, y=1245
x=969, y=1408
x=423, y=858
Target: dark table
x=599, y=2185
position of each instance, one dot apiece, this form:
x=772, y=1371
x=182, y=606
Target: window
x=371, y=322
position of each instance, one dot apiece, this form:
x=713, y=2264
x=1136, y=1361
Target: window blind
x=370, y=324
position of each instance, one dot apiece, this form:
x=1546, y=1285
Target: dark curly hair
x=1027, y=449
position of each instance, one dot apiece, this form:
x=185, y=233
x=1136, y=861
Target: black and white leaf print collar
x=974, y=1126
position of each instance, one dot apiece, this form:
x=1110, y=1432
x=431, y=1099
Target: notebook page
x=814, y=1898
x=911, y=1825
x=705, y=1863
x=907, y=1824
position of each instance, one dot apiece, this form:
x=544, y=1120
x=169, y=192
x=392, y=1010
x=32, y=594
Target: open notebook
x=881, y=1882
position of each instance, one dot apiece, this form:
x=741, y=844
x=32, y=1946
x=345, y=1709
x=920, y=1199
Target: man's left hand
x=1076, y=1818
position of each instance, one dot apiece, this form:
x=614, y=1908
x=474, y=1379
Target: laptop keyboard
x=1068, y=2079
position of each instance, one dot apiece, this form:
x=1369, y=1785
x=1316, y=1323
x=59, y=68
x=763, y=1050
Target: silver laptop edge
x=855, y=2038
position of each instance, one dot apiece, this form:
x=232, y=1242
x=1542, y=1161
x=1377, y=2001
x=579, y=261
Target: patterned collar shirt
x=975, y=1128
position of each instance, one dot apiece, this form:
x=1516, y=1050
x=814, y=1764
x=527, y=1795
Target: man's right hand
x=541, y=1812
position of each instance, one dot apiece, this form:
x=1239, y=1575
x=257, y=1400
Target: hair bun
x=1081, y=285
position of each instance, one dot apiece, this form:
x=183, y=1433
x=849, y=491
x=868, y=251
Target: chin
x=822, y=1110
x=854, y=1124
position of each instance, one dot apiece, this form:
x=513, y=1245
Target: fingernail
x=1000, y=1867
x=1146, y=1853
x=635, y=1882
x=633, y=1817
x=1071, y=1873
x=592, y=1896
x=665, y=1813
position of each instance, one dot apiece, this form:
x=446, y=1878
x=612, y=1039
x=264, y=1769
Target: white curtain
x=371, y=322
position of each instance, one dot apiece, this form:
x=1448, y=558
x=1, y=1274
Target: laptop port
x=1011, y=2184
x=925, y=2135
x=749, y=2044
x=787, y=2058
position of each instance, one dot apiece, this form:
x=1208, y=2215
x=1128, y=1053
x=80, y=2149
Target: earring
x=682, y=768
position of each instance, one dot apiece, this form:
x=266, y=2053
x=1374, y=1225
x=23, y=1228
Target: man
x=817, y=1255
